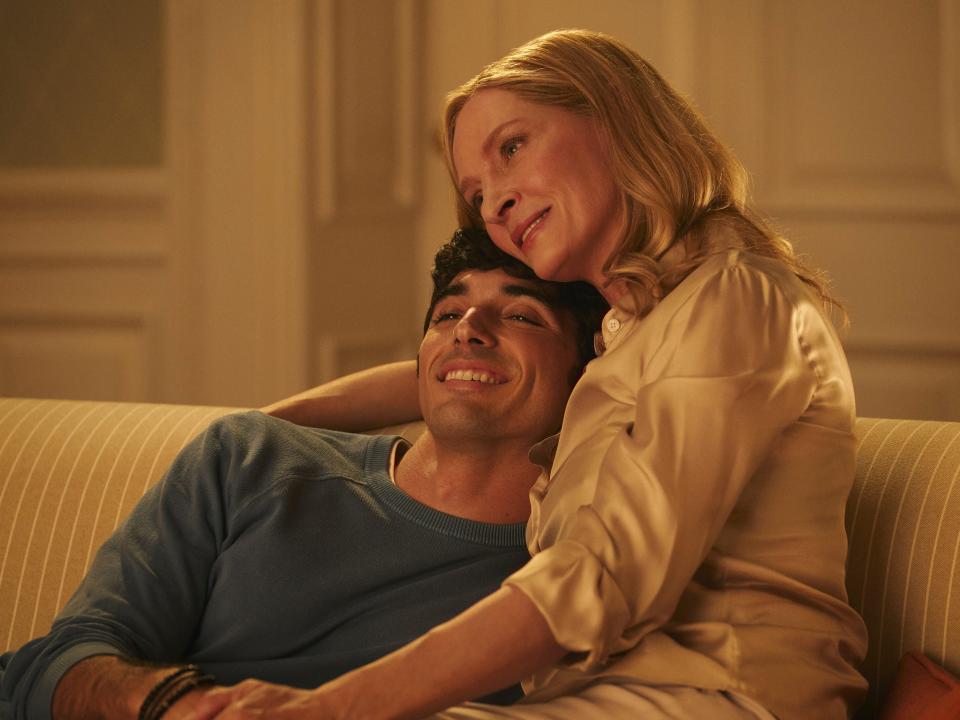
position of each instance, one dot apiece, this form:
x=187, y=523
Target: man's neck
x=478, y=481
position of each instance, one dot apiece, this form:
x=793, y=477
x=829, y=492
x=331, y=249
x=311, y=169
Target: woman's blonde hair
x=679, y=183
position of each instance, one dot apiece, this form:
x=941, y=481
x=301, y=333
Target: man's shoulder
x=296, y=449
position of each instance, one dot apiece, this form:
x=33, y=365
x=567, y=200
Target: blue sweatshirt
x=270, y=551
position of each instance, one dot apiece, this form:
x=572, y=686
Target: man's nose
x=473, y=328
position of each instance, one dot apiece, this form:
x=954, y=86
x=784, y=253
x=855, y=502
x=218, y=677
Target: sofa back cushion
x=70, y=471
x=903, y=523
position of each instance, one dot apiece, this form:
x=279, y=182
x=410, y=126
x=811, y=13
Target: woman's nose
x=497, y=209
x=473, y=328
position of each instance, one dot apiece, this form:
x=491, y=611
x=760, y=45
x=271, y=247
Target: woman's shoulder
x=737, y=275
x=736, y=291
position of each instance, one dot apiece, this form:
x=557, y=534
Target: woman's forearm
x=366, y=400
x=496, y=643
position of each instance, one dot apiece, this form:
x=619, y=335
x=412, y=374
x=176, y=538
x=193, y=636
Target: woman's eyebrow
x=485, y=148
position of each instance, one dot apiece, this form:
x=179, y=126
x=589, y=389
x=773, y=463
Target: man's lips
x=470, y=372
x=522, y=231
x=480, y=376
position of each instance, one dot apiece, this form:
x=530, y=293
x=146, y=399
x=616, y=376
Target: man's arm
x=107, y=686
x=366, y=400
x=145, y=591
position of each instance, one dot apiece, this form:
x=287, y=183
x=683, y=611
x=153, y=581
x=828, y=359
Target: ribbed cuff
x=40, y=702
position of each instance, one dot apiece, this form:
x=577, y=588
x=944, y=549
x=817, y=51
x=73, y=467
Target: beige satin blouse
x=690, y=531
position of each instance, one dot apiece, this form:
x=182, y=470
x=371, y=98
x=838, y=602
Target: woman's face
x=540, y=178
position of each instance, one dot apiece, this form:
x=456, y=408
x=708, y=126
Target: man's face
x=496, y=361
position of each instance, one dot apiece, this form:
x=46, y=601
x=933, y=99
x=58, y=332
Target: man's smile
x=481, y=376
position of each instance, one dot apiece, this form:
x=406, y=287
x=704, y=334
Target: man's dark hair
x=472, y=249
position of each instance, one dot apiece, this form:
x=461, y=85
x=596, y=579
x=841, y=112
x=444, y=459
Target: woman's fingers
x=255, y=699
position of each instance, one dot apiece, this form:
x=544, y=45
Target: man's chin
x=463, y=422
x=470, y=428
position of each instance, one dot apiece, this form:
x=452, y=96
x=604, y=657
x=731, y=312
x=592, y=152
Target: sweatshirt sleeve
x=146, y=588
x=731, y=373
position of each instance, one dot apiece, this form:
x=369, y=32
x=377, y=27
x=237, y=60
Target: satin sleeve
x=722, y=377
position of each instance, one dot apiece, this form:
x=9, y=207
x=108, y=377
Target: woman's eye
x=510, y=147
x=476, y=201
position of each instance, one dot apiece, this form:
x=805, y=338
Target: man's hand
x=109, y=686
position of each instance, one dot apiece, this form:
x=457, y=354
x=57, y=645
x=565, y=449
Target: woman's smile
x=540, y=178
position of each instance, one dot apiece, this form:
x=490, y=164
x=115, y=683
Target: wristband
x=170, y=689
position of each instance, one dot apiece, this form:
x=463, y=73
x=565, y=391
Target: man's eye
x=520, y=317
x=441, y=317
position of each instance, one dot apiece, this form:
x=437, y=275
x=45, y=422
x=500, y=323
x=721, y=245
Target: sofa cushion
x=922, y=690
x=903, y=521
x=70, y=471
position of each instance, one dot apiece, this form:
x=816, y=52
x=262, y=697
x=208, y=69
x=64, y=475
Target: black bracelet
x=174, y=692
x=170, y=689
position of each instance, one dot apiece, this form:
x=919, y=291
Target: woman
x=688, y=542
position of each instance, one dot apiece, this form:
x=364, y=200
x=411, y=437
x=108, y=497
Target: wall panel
x=88, y=216
x=82, y=257
x=105, y=358
x=847, y=117
x=367, y=138
x=862, y=108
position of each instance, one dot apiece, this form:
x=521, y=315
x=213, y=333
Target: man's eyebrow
x=531, y=291
x=485, y=148
x=457, y=288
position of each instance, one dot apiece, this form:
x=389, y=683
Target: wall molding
x=324, y=109
x=76, y=217
x=104, y=188
x=407, y=127
x=932, y=349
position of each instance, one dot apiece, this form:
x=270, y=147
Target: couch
x=70, y=471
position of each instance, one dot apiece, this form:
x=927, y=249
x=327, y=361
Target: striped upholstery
x=903, y=521
x=70, y=471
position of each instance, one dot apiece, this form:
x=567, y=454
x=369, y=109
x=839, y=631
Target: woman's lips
x=530, y=227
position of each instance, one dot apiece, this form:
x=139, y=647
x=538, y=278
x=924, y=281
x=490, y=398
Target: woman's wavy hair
x=679, y=183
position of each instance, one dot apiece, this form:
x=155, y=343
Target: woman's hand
x=496, y=643
x=258, y=699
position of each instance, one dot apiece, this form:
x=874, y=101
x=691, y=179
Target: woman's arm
x=369, y=399
x=498, y=642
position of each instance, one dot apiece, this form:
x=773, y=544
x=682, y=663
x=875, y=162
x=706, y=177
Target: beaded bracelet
x=170, y=689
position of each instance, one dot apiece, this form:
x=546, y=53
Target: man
x=293, y=554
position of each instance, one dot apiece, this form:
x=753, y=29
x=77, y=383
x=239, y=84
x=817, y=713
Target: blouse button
x=613, y=324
